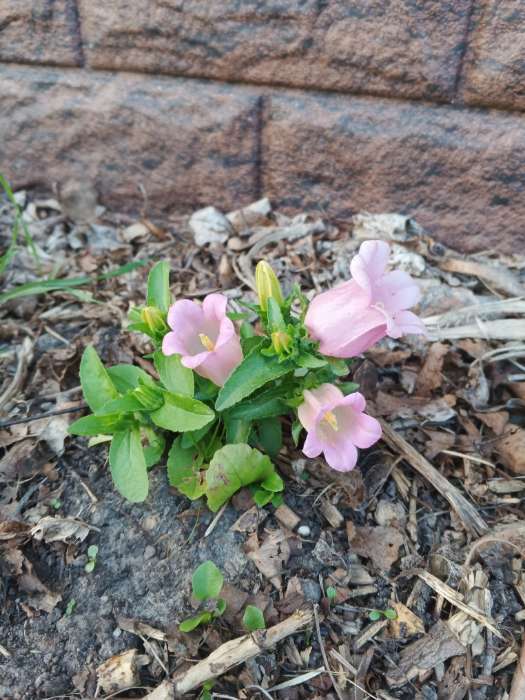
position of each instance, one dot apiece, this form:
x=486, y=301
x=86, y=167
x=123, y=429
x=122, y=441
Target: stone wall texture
x=335, y=106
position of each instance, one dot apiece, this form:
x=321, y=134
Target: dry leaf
x=380, y=544
x=429, y=377
x=271, y=556
x=40, y=597
x=52, y=529
x=250, y=520
x=511, y=450
x=496, y=420
x=119, y=672
x=406, y=623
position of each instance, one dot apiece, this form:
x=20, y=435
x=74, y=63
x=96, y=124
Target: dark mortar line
x=259, y=146
x=455, y=105
x=464, y=47
x=75, y=30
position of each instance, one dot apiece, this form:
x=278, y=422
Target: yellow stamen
x=330, y=418
x=206, y=342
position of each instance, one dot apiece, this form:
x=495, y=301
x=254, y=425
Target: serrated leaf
x=126, y=377
x=97, y=386
x=254, y=372
x=253, y=619
x=128, y=466
x=159, y=287
x=182, y=413
x=173, y=374
x=193, y=622
x=232, y=467
x=183, y=470
x=207, y=581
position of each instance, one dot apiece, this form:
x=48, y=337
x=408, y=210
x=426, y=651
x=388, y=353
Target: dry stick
x=517, y=691
x=465, y=510
x=237, y=651
x=323, y=652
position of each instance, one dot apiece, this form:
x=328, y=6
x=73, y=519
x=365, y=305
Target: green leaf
x=207, y=581
x=95, y=425
x=253, y=372
x=331, y=593
x=126, y=377
x=90, y=566
x=390, y=614
x=311, y=361
x=253, y=619
x=374, y=615
x=232, y=467
x=159, y=287
x=173, y=374
x=348, y=387
x=124, y=404
x=261, y=496
x=338, y=367
x=237, y=430
x=182, y=413
x=97, y=386
x=266, y=404
x=183, y=470
x=193, y=437
x=271, y=435
x=92, y=551
x=277, y=500
x=296, y=432
x=128, y=466
x=220, y=607
x=154, y=450
x=193, y=622
x=273, y=483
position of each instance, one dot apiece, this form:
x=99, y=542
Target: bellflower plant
x=220, y=389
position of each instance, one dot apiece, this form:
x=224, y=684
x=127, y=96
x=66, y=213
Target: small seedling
x=253, y=619
x=206, y=691
x=70, y=607
x=92, y=552
x=55, y=503
x=331, y=594
x=389, y=614
x=206, y=584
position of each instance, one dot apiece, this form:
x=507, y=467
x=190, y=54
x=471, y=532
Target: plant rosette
x=223, y=390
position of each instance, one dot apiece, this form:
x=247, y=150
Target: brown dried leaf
x=406, y=623
x=52, y=529
x=271, y=556
x=511, y=450
x=430, y=377
x=380, y=544
x=119, y=672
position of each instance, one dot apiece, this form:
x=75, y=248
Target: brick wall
x=334, y=105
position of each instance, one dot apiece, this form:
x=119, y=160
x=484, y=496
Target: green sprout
x=388, y=613
x=92, y=552
x=206, y=584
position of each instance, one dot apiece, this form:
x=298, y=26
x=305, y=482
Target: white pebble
x=304, y=531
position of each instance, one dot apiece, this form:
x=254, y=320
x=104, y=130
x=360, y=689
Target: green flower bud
x=267, y=285
x=154, y=319
x=281, y=342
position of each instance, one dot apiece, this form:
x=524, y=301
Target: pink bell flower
x=336, y=426
x=350, y=318
x=204, y=337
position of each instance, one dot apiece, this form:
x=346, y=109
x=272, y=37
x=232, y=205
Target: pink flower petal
x=406, y=323
x=214, y=306
x=356, y=401
x=370, y=263
x=226, y=332
x=186, y=319
x=396, y=291
x=361, y=429
x=171, y=344
x=341, y=456
x=312, y=446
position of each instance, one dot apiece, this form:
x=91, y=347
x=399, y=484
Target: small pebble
x=304, y=531
x=149, y=552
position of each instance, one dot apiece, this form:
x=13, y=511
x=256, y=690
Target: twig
x=211, y=526
x=323, y=652
x=467, y=513
x=517, y=691
x=24, y=360
x=49, y=414
x=237, y=651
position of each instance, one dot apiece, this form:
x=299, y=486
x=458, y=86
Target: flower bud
x=281, y=342
x=154, y=319
x=267, y=285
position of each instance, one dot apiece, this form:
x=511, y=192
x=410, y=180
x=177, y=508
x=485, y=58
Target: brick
x=494, y=67
x=459, y=173
x=394, y=47
x=39, y=31
x=188, y=143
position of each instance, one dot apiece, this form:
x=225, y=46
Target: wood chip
x=368, y=633
x=287, y=517
x=380, y=544
x=511, y=450
x=331, y=513
x=467, y=513
x=119, y=672
x=406, y=623
x=435, y=647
